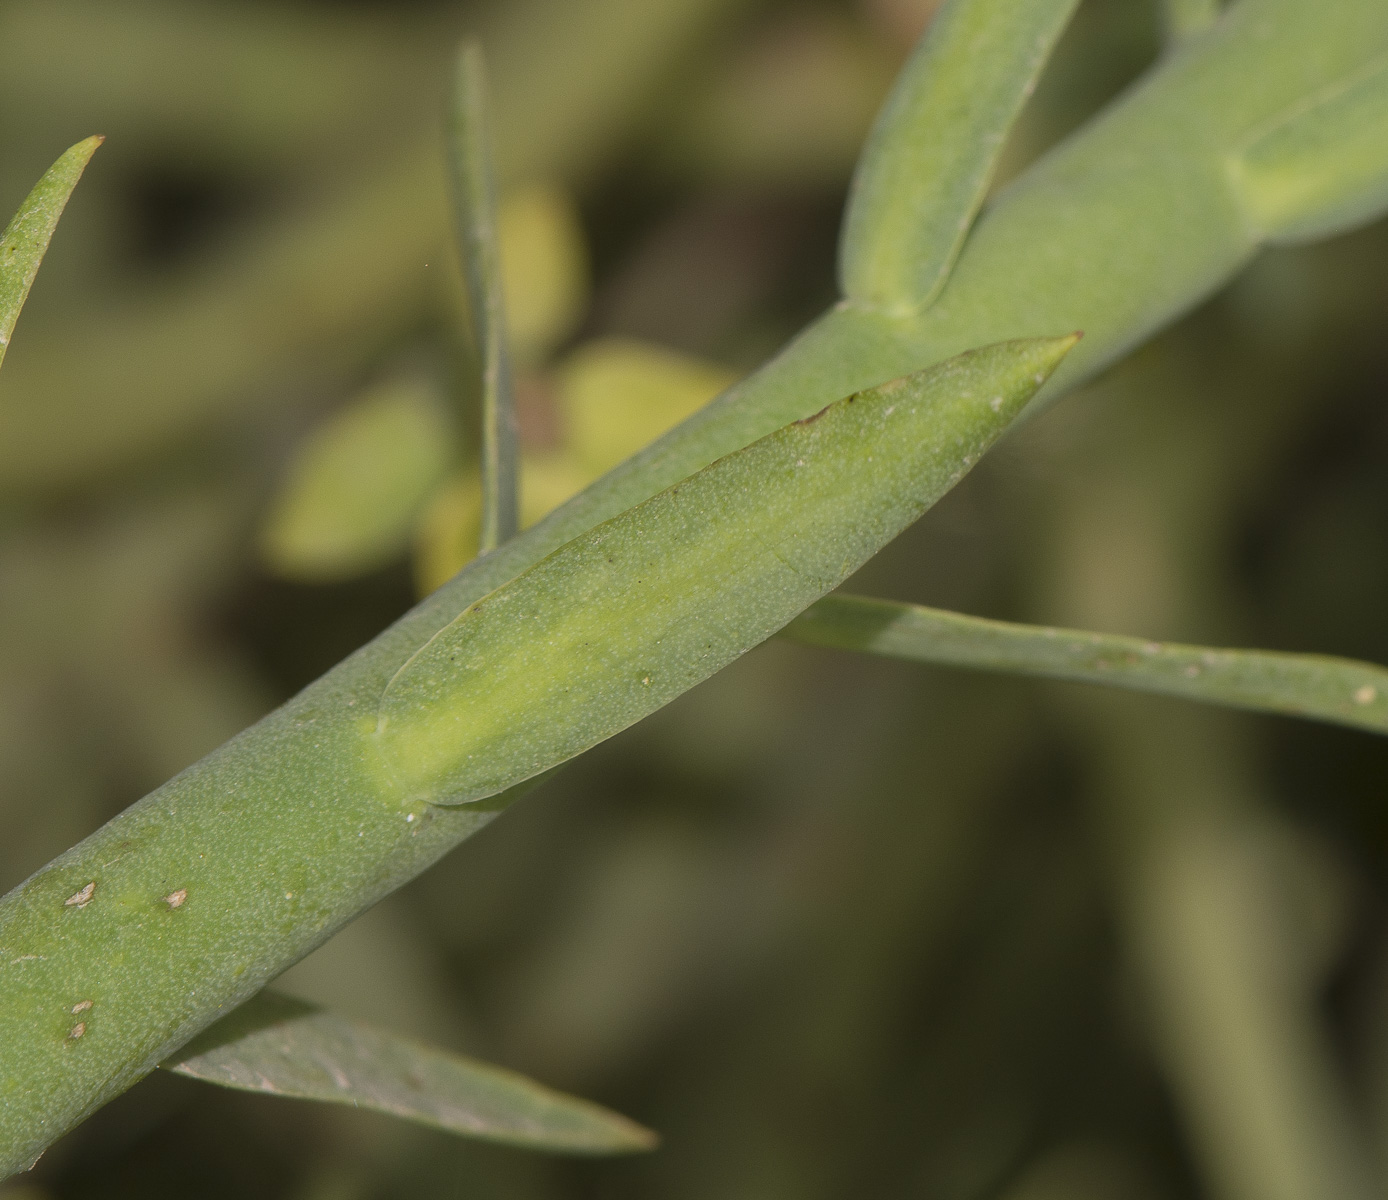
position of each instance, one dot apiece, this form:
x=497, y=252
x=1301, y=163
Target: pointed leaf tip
x=26, y=238
x=1017, y=369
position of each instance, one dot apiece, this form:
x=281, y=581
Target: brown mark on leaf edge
x=810, y=420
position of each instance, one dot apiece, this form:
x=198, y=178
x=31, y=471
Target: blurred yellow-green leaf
x=353, y=491
x=448, y=532
x=616, y=396
x=544, y=268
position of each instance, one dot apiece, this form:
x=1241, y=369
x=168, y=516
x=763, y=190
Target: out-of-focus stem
x=475, y=230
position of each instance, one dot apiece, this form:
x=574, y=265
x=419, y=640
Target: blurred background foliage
x=834, y=927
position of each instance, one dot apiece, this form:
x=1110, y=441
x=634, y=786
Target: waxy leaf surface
x=621, y=620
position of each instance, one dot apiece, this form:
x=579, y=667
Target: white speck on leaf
x=81, y=1006
x=80, y=899
x=995, y=404
x=176, y=899
x=1366, y=694
x=77, y=1030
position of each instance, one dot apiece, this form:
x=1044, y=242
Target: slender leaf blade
x=277, y=1045
x=624, y=618
x=475, y=226
x=1319, y=687
x=930, y=157
x=26, y=238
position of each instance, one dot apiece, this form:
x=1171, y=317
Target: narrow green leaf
x=280, y=1046
x=626, y=617
x=26, y=238
x=475, y=221
x=1323, y=168
x=1317, y=686
x=927, y=165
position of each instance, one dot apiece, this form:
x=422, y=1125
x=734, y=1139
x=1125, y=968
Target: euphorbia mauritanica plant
x=1267, y=122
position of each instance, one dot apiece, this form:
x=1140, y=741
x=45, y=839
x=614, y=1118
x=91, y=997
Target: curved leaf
x=280, y=1046
x=26, y=238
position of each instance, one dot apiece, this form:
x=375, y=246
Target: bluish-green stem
x=1118, y=230
x=186, y=904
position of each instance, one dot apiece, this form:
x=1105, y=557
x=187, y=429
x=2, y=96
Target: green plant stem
x=1339, y=690
x=192, y=900
x=475, y=231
